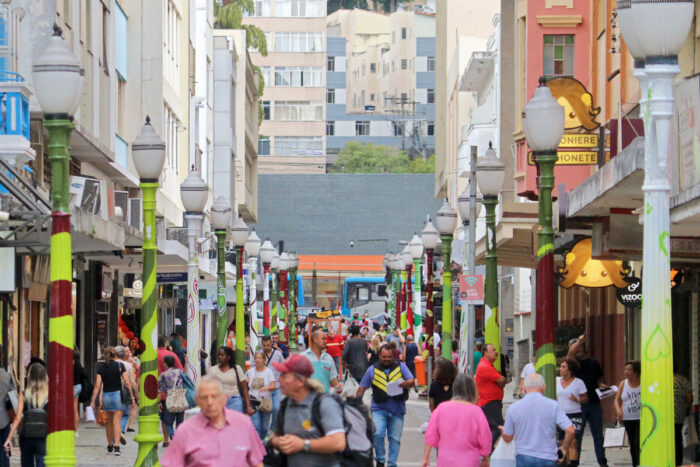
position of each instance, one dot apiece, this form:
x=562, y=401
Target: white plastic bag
x=349, y=387
x=615, y=437
x=89, y=414
x=503, y=455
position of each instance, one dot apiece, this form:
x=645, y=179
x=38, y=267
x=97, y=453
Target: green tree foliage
x=358, y=157
x=229, y=15
x=389, y=6
x=334, y=5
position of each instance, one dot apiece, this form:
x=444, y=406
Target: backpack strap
x=279, y=429
x=316, y=413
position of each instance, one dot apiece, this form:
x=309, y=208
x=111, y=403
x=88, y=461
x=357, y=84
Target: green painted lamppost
x=407, y=319
x=490, y=175
x=275, y=280
x=397, y=267
x=415, y=247
x=148, y=152
x=239, y=235
x=267, y=253
x=293, y=299
x=543, y=122
x=429, y=237
x=446, y=223
x=656, y=66
x=285, y=261
x=221, y=215
x=58, y=84
x=194, y=193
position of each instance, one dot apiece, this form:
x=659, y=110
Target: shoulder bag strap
x=270, y=357
x=238, y=382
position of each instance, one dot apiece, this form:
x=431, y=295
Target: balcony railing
x=14, y=105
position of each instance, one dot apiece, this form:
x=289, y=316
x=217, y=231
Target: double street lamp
x=267, y=254
x=221, y=216
x=490, y=174
x=252, y=249
x=415, y=247
x=194, y=193
x=239, y=235
x=275, y=267
x=285, y=262
x=407, y=292
x=429, y=237
x=58, y=84
x=543, y=122
x=656, y=65
x=446, y=222
x=293, y=298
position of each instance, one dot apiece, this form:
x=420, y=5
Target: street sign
x=571, y=158
x=471, y=289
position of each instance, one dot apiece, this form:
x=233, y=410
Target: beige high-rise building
x=292, y=135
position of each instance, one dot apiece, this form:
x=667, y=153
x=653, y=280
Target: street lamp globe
x=239, y=232
x=148, y=153
x=406, y=256
x=671, y=20
x=194, y=192
x=295, y=260
x=415, y=247
x=252, y=244
x=543, y=120
x=285, y=261
x=429, y=236
x=446, y=219
x=490, y=173
x=267, y=252
x=438, y=247
x=58, y=78
x=275, y=264
x=463, y=203
x=221, y=213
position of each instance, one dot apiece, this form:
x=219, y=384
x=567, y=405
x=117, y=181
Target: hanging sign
x=471, y=289
x=631, y=296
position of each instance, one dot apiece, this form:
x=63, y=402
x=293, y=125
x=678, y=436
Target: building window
x=364, y=69
x=121, y=42
x=303, y=8
x=431, y=128
x=385, y=68
x=298, y=76
x=431, y=63
x=558, y=55
x=262, y=8
x=404, y=64
x=330, y=64
x=397, y=127
x=298, y=145
x=263, y=146
x=171, y=45
x=372, y=67
x=362, y=128
x=330, y=128
x=431, y=96
x=121, y=148
x=266, y=110
x=303, y=111
x=298, y=42
x=403, y=33
x=393, y=37
x=404, y=97
x=393, y=66
x=266, y=73
x=330, y=96
x=371, y=97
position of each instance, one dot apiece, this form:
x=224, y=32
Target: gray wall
x=322, y=213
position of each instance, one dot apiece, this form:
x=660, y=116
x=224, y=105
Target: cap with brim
x=295, y=364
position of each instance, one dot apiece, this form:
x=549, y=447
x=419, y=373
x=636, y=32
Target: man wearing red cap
x=295, y=434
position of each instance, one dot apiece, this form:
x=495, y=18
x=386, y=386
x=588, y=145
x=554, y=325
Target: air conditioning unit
x=85, y=194
x=121, y=200
x=135, y=211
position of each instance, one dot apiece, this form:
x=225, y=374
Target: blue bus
x=362, y=294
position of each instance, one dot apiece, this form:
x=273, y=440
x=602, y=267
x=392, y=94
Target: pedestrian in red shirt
x=490, y=383
x=335, y=347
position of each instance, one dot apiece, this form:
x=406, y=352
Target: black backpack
x=35, y=421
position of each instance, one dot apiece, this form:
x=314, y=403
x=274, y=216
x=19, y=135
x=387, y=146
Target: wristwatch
x=307, y=446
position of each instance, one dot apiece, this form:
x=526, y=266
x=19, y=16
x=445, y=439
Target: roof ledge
x=559, y=21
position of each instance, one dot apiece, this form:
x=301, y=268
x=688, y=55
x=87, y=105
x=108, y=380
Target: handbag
x=266, y=405
x=615, y=437
x=176, y=398
x=101, y=417
x=124, y=392
x=503, y=455
x=188, y=385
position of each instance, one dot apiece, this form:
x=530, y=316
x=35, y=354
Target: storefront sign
x=631, y=296
x=571, y=158
x=579, y=140
x=471, y=289
x=171, y=277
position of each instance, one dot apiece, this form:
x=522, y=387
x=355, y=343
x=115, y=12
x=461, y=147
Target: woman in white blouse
x=571, y=393
x=261, y=382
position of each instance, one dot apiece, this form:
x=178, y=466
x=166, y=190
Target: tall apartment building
x=381, y=80
x=292, y=135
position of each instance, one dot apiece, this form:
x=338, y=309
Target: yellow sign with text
x=582, y=140
x=571, y=158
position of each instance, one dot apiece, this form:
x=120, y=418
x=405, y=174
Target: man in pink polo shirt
x=216, y=436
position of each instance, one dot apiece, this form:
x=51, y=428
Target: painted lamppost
x=193, y=193
x=490, y=175
x=659, y=52
x=221, y=215
x=543, y=122
x=429, y=237
x=274, y=315
x=284, y=293
x=398, y=267
x=415, y=247
x=148, y=152
x=469, y=206
x=293, y=286
x=58, y=85
x=390, y=304
x=252, y=249
x=408, y=295
x=239, y=235
x=267, y=253
x=446, y=222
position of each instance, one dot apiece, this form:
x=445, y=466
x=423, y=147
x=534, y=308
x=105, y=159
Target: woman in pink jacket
x=458, y=429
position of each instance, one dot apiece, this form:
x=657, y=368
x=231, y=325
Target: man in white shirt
x=528, y=369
